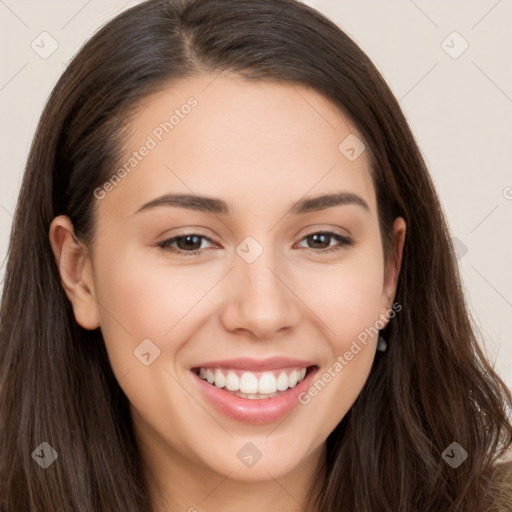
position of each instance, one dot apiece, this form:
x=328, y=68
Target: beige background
x=459, y=105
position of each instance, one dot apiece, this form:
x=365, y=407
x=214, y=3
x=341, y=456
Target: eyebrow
x=218, y=206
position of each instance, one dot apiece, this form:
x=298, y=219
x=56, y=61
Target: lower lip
x=257, y=411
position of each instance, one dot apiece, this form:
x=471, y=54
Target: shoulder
x=500, y=485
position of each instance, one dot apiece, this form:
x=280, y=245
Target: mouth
x=253, y=385
x=254, y=391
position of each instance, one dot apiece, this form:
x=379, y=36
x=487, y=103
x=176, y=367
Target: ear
x=393, y=266
x=75, y=269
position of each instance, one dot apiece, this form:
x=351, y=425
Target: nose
x=261, y=298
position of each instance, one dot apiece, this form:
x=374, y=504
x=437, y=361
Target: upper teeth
x=264, y=383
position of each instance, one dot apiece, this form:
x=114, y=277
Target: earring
x=382, y=344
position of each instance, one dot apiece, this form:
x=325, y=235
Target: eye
x=191, y=244
x=321, y=237
x=184, y=244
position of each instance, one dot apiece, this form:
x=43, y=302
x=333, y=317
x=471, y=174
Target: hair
x=433, y=385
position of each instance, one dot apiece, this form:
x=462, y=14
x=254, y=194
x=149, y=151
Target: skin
x=261, y=147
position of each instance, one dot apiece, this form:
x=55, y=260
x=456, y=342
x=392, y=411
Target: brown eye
x=189, y=245
x=321, y=241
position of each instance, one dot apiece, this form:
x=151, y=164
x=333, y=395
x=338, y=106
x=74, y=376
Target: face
x=221, y=316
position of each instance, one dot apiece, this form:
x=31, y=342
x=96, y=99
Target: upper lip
x=249, y=364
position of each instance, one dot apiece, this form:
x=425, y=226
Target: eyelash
x=344, y=242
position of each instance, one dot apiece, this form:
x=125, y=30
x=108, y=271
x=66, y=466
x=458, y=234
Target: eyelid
x=165, y=244
x=343, y=241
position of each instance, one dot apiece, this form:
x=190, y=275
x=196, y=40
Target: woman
x=163, y=343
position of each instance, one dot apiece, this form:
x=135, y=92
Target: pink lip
x=257, y=411
x=257, y=365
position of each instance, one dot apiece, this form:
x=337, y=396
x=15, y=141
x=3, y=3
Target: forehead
x=254, y=144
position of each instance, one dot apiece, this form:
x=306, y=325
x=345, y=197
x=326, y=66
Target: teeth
x=267, y=384
x=232, y=382
x=292, y=379
x=282, y=382
x=220, y=380
x=247, y=384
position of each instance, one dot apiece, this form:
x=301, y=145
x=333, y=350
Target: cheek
x=348, y=301
x=347, y=298
x=142, y=298
x=145, y=296
x=350, y=314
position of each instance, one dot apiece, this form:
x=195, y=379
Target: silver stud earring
x=382, y=344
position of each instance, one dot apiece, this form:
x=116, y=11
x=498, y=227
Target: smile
x=254, y=391
x=253, y=385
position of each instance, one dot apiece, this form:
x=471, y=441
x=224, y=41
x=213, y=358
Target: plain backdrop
x=448, y=63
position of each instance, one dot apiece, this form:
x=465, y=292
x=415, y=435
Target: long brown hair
x=433, y=385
